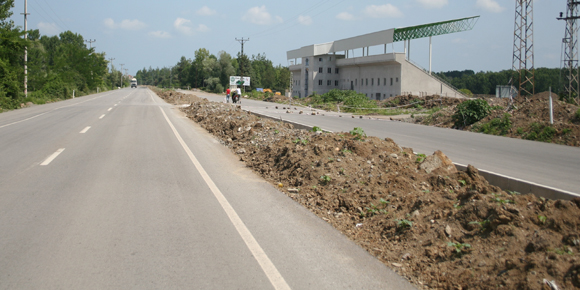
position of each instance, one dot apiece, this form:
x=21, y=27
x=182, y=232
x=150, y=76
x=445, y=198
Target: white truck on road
x=133, y=83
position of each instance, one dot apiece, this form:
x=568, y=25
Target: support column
x=430, y=53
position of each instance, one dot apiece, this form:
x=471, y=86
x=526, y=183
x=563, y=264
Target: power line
x=56, y=15
x=48, y=15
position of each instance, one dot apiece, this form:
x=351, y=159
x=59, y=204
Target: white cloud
x=382, y=11
x=48, y=28
x=260, y=16
x=345, y=16
x=183, y=25
x=304, y=20
x=160, y=34
x=433, y=3
x=202, y=28
x=205, y=11
x=489, y=5
x=125, y=24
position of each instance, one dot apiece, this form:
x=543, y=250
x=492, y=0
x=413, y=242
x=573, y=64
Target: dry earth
x=439, y=228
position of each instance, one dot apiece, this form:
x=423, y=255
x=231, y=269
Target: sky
x=147, y=33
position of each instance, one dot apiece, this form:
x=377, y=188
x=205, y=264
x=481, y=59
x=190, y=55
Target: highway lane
x=119, y=190
x=552, y=165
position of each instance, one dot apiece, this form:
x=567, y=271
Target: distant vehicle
x=133, y=83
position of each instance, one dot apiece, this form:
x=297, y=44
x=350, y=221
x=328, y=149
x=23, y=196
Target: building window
x=378, y=81
x=336, y=70
x=391, y=81
x=320, y=69
x=356, y=82
x=328, y=82
x=397, y=80
x=372, y=82
x=385, y=82
x=320, y=59
x=329, y=70
x=330, y=58
x=336, y=83
x=306, y=61
x=320, y=82
x=366, y=82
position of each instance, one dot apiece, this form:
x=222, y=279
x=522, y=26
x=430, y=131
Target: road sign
x=236, y=81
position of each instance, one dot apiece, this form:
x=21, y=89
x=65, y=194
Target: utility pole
x=122, y=64
x=112, y=81
x=90, y=41
x=26, y=48
x=570, y=43
x=523, y=57
x=242, y=41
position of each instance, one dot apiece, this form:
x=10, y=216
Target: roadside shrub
x=470, y=112
x=540, y=132
x=218, y=89
x=466, y=92
x=497, y=126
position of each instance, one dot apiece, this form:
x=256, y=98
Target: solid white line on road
x=102, y=116
x=109, y=109
x=267, y=266
x=52, y=157
x=85, y=130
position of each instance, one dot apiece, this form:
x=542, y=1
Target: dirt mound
x=426, y=102
x=276, y=99
x=528, y=119
x=440, y=228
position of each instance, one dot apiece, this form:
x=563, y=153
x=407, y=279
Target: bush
x=577, y=115
x=470, y=112
x=497, y=126
x=466, y=92
x=540, y=132
x=218, y=89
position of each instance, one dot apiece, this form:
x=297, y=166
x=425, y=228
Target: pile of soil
x=426, y=102
x=531, y=114
x=439, y=228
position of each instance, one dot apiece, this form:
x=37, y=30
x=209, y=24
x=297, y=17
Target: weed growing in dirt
x=482, y=225
x=358, y=133
x=462, y=182
x=460, y=248
x=542, y=219
x=325, y=179
x=513, y=192
x=500, y=200
x=562, y=251
x=316, y=129
x=470, y=112
x=303, y=141
x=566, y=131
x=276, y=132
x=404, y=224
x=420, y=158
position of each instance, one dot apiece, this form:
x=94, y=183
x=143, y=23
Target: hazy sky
x=157, y=33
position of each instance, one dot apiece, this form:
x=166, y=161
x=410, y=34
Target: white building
x=322, y=67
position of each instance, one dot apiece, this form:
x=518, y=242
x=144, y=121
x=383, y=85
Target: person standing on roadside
x=228, y=91
x=239, y=93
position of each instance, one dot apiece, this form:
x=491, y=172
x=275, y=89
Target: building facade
x=320, y=68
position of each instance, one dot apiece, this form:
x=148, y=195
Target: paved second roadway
x=550, y=165
x=120, y=191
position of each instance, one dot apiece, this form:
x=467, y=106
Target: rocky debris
x=439, y=228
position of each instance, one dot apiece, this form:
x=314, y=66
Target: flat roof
x=386, y=37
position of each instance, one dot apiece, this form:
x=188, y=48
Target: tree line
x=57, y=65
x=484, y=83
x=212, y=72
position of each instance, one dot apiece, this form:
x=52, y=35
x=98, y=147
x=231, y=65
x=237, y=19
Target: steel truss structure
x=434, y=29
x=570, y=45
x=523, y=57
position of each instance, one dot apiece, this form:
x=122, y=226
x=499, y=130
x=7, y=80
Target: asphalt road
x=120, y=191
x=550, y=165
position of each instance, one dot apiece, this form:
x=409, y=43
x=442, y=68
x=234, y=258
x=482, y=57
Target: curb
x=502, y=181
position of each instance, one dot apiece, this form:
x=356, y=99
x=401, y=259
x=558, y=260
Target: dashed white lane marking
x=51, y=111
x=52, y=157
x=102, y=116
x=115, y=105
x=85, y=130
x=109, y=109
x=267, y=266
